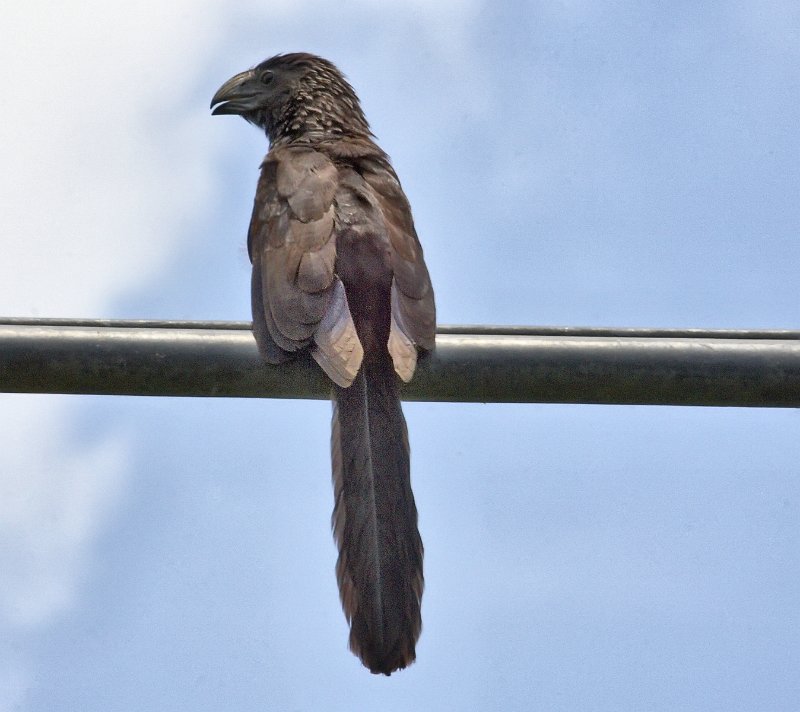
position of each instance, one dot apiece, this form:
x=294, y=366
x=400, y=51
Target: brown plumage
x=338, y=271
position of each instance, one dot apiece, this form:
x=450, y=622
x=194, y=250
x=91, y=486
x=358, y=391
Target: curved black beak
x=239, y=95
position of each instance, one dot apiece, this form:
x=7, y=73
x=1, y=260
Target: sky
x=569, y=163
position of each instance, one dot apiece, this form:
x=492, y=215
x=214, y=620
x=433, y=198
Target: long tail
x=375, y=520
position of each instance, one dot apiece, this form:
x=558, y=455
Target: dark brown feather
x=375, y=517
x=293, y=243
x=413, y=305
x=375, y=521
x=338, y=270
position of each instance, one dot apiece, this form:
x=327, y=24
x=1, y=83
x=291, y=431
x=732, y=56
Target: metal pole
x=477, y=364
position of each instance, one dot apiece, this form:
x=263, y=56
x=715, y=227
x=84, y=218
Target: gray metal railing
x=471, y=364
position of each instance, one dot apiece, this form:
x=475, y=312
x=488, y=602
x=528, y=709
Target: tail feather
x=375, y=520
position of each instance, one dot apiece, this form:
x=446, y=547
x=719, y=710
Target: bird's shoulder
x=293, y=201
x=302, y=177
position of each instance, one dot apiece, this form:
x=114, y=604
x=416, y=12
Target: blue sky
x=569, y=163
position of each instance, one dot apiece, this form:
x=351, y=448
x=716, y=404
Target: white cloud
x=103, y=159
x=100, y=166
x=53, y=499
x=106, y=162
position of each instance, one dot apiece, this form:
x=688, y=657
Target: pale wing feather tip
x=403, y=352
x=337, y=348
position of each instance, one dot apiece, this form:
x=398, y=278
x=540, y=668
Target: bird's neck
x=318, y=117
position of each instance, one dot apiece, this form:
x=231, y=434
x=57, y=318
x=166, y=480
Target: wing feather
x=337, y=348
x=297, y=300
x=413, y=307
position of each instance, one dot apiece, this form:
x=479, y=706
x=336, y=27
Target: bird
x=338, y=271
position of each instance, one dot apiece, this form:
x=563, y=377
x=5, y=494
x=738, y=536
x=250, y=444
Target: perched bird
x=338, y=271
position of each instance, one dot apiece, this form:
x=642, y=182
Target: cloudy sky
x=569, y=163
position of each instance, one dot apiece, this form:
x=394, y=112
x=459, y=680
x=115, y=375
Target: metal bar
x=458, y=329
x=475, y=364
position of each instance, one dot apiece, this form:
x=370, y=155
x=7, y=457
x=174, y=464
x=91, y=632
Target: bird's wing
x=413, y=309
x=298, y=301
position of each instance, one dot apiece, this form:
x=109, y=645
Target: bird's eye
x=266, y=76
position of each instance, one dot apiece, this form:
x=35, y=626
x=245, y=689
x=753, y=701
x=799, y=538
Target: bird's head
x=293, y=96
